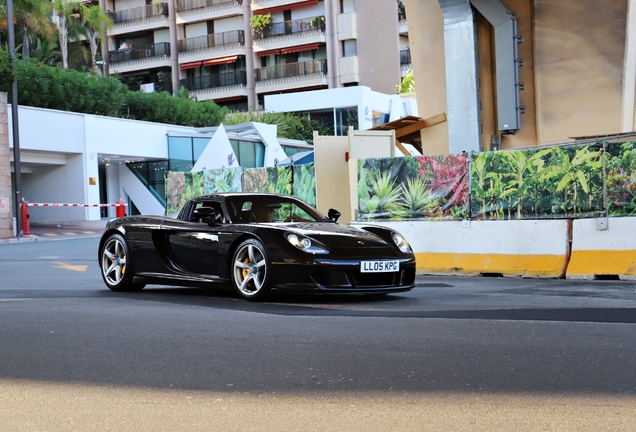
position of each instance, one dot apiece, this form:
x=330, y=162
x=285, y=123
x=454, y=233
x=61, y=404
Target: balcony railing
x=401, y=12
x=211, y=41
x=405, y=57
x=139, y=13
x=291, y=70
x=291, y=27
x=185, y=5
x=139, y=53
x=217, y=80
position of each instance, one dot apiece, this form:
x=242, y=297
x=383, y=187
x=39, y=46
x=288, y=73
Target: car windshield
x=268, y=209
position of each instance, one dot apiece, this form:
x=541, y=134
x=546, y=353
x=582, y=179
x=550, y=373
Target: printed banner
x=222, y=180
x=621, y=178
x=411, y=188
x=559, y=182
x=268, y=180
x=181, y=187
x=304, y=184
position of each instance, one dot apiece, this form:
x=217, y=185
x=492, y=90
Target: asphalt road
x=453, y=354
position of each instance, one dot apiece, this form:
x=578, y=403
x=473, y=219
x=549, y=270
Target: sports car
x=256, y=243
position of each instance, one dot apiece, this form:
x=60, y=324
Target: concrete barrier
x=527, y=248
x=598, y=252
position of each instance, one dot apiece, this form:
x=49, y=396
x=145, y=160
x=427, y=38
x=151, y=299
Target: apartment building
x=211, y=47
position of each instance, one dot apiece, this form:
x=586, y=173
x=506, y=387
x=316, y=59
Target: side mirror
x=206, y=214
x=333, y=214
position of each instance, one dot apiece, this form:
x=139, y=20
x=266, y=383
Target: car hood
x=342, y=236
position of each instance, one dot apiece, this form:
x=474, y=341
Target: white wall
x=48, y=130
x=64, y=184
x=124, y=137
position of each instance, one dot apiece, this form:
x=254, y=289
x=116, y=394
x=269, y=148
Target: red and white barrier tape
x=75, y=205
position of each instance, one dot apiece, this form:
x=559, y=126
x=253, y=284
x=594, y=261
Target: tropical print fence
x=411, y=188
x=298, y=180
x=304, y=183
x=559, y=182
x=180, y=187
x=539, y=183
x=268, y=180
x=621, y=178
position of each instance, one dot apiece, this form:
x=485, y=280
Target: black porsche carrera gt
x=258, y=242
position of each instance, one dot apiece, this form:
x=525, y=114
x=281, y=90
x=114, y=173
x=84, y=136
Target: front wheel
x=250, y=270
x=116, y=266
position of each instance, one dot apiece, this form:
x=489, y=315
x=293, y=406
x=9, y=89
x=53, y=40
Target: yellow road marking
x=79, y=268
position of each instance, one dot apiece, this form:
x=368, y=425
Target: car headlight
x=305, y=244
x=401, y=243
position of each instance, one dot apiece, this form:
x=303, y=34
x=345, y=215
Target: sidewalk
x=48, y=232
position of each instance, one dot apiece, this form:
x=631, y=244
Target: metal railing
x=211, y=41
x=216, y=80
x=185, y=5
x=291, y=70
x=139, y=13
x=291, y=27
x=405, y=57
x=138, y=53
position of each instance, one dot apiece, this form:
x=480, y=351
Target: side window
x=213, y=205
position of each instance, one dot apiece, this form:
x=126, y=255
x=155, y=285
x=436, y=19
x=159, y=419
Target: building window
x=180, y=154
x=250, y=154
x=349, y=48
x=347, y=6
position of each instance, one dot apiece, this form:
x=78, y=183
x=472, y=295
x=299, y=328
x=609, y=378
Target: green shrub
x=61, y=89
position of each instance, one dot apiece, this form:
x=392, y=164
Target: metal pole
x=14, y=117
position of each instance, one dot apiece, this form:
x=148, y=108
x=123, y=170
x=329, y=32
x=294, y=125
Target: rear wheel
x=115, y=262
x=250, y=270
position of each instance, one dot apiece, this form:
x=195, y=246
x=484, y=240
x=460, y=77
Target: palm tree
x=34, y=17
x=45, y=52
x=96, y=20
x=62, y=10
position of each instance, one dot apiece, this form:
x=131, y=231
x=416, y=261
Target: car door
x=193, y=247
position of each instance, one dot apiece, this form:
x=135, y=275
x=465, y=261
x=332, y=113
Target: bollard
x=26, y=226
x=120, y=210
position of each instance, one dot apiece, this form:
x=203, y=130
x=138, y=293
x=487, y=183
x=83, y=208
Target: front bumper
x=341, y=276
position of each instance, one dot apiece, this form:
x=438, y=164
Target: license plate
x=379, y=266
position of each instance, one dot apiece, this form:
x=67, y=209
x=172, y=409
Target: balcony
x=405, y=57
x=191, y=11
x=288, y=34
x=214, y=81
x=218, y=86
x=139, y=19
x=347, y=26
x=312, y=73
x=295, y=27
x=216, y=40
x=349, y=70
x=145, y=56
